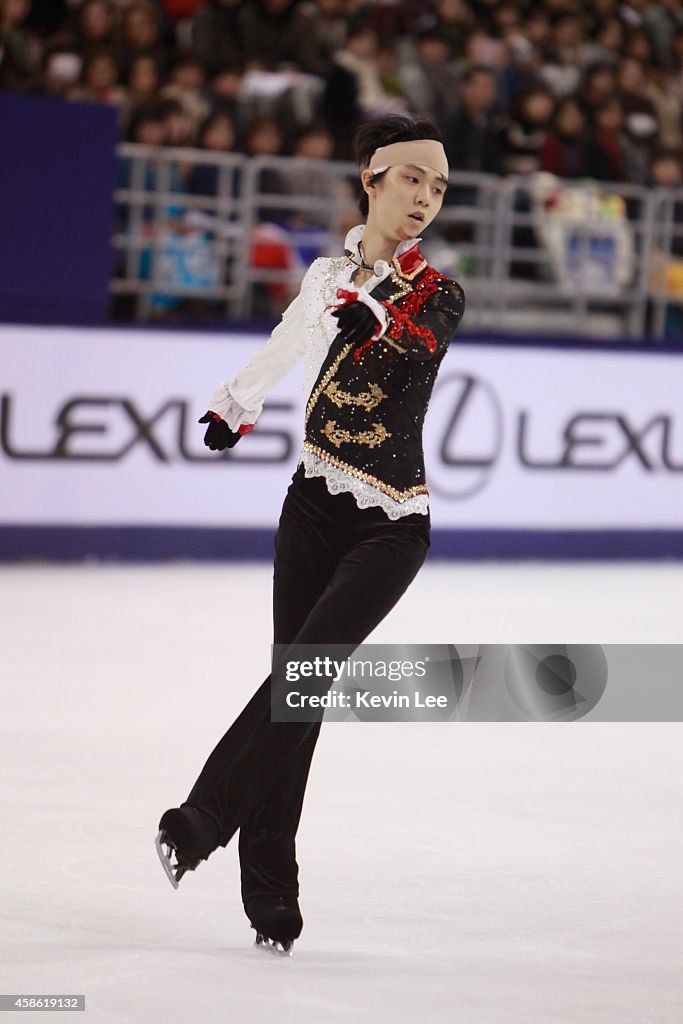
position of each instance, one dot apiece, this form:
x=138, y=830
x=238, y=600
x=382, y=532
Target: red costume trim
x=345, y=295
x=244, y=428
x=402, y=321
x=410, y=261
x=403, y=313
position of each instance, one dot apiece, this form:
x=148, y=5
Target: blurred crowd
x=575, y=88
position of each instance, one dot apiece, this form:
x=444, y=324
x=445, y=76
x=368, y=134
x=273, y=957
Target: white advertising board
x=99, y=427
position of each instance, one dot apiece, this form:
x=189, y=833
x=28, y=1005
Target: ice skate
x=277, y=922
x=190, y=835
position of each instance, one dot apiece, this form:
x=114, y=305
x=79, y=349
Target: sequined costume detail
x=366, y=402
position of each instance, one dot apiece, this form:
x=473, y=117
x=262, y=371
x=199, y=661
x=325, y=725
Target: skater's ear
x=367, y=179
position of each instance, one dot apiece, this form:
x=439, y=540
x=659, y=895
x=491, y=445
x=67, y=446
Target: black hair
x=472, y=70
x=210, y=120
x=384, y=131
x=147, y=112
x=665, y=153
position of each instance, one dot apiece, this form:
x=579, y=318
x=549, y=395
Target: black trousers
x=338, y=571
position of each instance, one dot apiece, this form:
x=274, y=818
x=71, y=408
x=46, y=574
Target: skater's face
x=405, y=200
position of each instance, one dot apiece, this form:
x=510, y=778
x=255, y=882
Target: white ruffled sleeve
x=240, y=400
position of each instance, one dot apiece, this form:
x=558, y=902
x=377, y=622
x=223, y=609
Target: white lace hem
x=365, y=494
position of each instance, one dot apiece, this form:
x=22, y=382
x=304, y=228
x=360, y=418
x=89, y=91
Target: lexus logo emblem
x=463, y=435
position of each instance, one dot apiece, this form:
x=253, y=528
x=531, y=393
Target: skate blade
x=273, y=946
x=165, y=858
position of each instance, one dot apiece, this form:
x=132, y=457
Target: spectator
x=282, y=34
x=140, y=32
x=353, y=86
x=186, y=84
x=217, y=135
x=264, y=138
x=218, y=34
x=562, y=152
x=600, y=11
x=561, y=70
x=641, y=124
x=224, y=95
x=314, y=142
x=180, y=128
x=638, y=46
x=455, y=21
x=19, y=50
x=330, y=29
x=606, y=42
x=604, y=151
x=144, y=78
x=483, y=48
x=675, y=66
x=506, y=17
x=430, y=78
x=599, y=84
x=99, y=80
x=147, y=129
x=147, y=125
x=523, y=135
x=472, y=136
x=95, y=26
x=142, y=82
x=157, y=225
x=662, y=21
x=536, y=28
x=666, y=170
x=667, y=105
x=394, y=100
x=390, y=19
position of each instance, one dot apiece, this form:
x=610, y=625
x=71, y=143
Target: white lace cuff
x=230, y=410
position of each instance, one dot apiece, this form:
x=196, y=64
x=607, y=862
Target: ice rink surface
x=478, y=873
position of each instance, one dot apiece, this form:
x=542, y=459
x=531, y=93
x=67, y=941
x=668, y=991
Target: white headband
x=427, y=152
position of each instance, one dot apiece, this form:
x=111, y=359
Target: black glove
x=218, y=435
x=357, y=322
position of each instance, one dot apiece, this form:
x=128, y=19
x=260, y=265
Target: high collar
x=406, y=253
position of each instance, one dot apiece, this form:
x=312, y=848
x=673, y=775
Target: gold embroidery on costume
x=367, y=399
x=330, y=372
x=338, y=436
x=400, y=278
x=403, y=288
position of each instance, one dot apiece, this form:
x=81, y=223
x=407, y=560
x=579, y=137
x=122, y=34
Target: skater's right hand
x=356, y=322
x=218, y=434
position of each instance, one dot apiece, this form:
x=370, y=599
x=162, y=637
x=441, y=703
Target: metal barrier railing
x=237, y=233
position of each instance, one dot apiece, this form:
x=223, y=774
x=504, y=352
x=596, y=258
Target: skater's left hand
x=356, y=321
x=218, y=435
